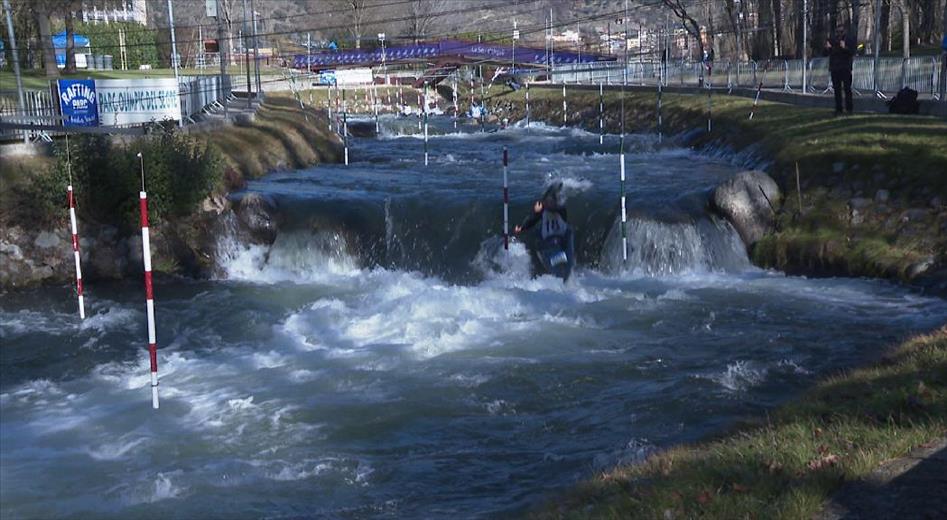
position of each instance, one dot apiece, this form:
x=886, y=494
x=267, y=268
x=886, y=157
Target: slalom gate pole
x=149, y=288
x=506, y=202
x=421, y=111
x=400, y=99
x=563, y=104
x=329, y=106
x=621, y=193
x=345, y=128
x=338, y=109
x=756, y=100
x=709, y=109
x=375, y=107
x=388, y=95
x=470, y=93
x=660, y=119
x=75, y=231
x=454, y=89
x=527, y=106
x=601, y=114
x=424, y=115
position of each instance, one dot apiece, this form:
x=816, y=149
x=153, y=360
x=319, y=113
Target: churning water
x=384, y=357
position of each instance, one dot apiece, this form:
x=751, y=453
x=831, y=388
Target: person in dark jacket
x=841, y=52
x=555, y=234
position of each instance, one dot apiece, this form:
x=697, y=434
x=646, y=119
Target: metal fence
x=921, y=73
x=198, y=94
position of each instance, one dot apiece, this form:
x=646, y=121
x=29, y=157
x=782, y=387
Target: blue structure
x=427, y=51
x=59, y=44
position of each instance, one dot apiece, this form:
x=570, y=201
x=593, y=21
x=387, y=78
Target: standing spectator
x=841, y=51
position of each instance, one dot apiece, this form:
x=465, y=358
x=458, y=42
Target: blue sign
x=78, y=102
x=327, y=77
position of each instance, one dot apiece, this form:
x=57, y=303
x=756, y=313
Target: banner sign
x=78, y=101
x=136, y=101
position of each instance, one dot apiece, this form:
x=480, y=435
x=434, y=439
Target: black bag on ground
x=904, y=102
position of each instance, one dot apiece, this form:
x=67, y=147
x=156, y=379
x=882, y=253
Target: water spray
x=75, y=231
x=149, y=289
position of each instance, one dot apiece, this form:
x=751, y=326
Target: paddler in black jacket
x=554, y=229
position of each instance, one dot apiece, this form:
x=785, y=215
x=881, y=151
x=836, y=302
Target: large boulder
x=257, y=216
x=741, y=200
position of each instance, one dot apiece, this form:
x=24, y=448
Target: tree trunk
x=764, y=34
x=905, y=29
x=41, y=11
x=69, y=18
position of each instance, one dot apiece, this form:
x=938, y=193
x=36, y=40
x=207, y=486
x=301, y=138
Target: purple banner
x=443, y=48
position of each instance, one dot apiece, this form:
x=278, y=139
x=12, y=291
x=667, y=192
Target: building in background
x=129, y=11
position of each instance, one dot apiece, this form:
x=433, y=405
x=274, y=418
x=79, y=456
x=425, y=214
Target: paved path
x=912, y=487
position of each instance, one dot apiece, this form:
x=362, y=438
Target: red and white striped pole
x=564, y=107
x=75, y=232
x=506, y=203
x=149, y=289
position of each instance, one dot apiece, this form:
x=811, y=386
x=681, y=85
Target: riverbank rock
x=743, y=201
x=257, y=215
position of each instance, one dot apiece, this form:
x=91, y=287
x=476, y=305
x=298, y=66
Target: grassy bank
x=839, y=159
x=788, y=466
x=187, y=176
x=282, y=135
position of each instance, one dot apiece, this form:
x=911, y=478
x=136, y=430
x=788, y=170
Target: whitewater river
x=386, y=358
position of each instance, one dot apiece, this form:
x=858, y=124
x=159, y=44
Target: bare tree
x=421, y=13
x=355, y=11
x=689, y=23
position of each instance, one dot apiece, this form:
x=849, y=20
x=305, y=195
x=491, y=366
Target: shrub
x=106, y=174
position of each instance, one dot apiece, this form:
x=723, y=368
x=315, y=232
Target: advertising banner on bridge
x=136, y=101
x=78, y=102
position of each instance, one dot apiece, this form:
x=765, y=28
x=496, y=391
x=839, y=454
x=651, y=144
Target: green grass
x=788, y=466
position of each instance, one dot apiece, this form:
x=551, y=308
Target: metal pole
x=16, y=60
x=256, y=51
x=805, y=46
x=876, y=74
x=174, y=58
x=246, y=50
x=223, y=62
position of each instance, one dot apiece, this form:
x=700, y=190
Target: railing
x=197, y=93
x=921, y=73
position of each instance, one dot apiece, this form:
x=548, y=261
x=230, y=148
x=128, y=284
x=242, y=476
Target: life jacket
x=553, y=225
